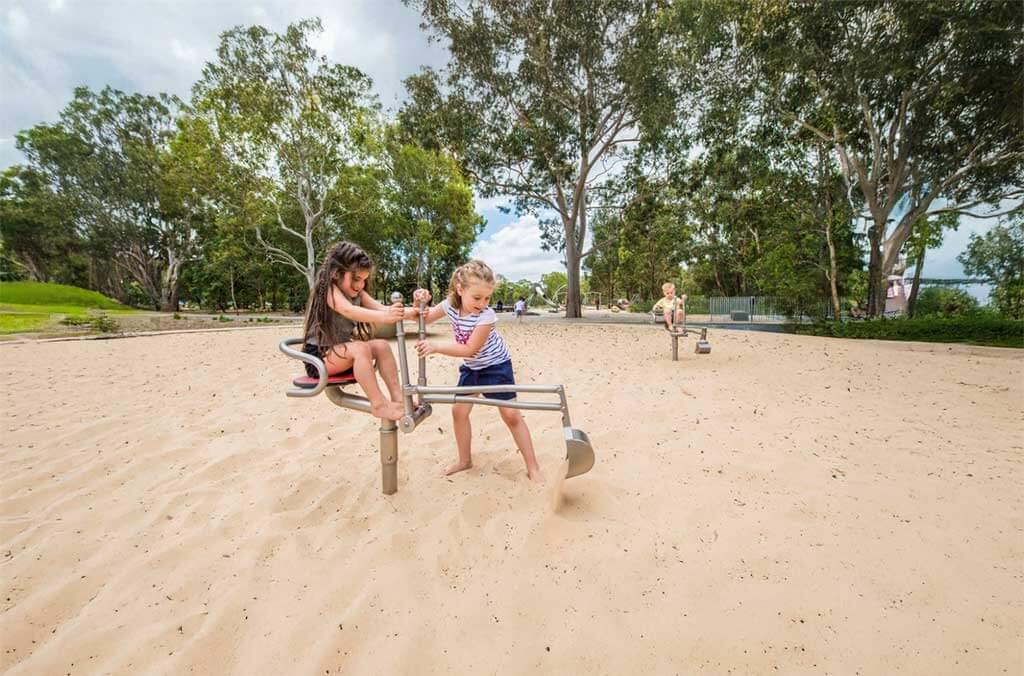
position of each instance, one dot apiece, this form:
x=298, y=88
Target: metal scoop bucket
x=703, y=346
x=578, y=451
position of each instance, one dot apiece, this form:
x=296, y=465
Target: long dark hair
x=344, y=257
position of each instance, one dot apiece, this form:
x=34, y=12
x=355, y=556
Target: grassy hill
x=38, y=293
x=35, y=306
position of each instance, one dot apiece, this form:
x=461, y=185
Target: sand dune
x=807, y=505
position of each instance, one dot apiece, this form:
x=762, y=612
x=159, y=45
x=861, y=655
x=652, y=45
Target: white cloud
x=491, y=203
x=515, y=251
x=184, y=52
x=49, y=47
x=17, y=22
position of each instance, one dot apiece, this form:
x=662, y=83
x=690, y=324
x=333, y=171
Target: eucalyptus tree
x=927, y=235
x=919, y=100
x=541, y=101
x=431, y=213
x=107, y=159
x=998, y=255
x=290, y=124
x=38, y=237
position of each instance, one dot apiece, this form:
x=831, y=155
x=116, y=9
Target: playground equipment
x=680, y=331
x=417, y=400
x=538, y=292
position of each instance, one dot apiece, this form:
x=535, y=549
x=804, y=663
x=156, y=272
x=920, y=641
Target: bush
x=944, y=301
x=980, y=329
x=105, y=324
x=101, y=322
x=642, y=306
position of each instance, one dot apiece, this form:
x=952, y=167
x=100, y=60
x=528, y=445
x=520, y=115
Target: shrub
x=101, y=322
x=105, y=324
x=980, y=328
x=642, y=306
x=943, y=301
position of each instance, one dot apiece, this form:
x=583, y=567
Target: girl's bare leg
x=387, y=367
x=521, y=435
x=361, y=358
x=463, y=438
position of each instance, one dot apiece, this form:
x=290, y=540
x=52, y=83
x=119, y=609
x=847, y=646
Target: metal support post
x=388, y=457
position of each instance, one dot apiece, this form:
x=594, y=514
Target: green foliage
x=99, y=322
x=941, y=301
x=535, y=98
x=38, y=240
x=642, y=305
x=920, y=100
x=999, y=256
x=288, y=123
x=36, y=293
x=979, y=329
x=553, y=283
x=509, y=292
x=429, y=218
x=106, y=160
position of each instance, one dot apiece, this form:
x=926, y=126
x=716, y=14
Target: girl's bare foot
x=457, y=467
x=387, y=410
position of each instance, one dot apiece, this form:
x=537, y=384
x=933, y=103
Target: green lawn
x=23, y=322
x=38, y=293
x=35, y=307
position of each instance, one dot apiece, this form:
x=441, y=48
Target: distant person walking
x=520, y=309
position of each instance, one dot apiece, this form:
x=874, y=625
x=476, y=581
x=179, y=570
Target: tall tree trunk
x=572, y=264
x=169, y=277
x=169, y=287
x=572, y=291
x=833, y=269
x=231, y=278
x=918, y=268
x=876, y=287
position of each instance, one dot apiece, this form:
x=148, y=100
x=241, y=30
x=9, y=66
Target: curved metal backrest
x=321, y=368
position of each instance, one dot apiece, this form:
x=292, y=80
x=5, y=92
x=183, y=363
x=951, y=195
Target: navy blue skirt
x=498, y=374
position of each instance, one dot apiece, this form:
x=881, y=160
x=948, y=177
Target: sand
x=785, y=504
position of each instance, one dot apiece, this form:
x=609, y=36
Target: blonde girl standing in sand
x=338, y=318
x=487, y=361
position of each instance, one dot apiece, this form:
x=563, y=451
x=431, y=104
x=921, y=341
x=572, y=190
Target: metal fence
x=744, y=308
x=756, y=309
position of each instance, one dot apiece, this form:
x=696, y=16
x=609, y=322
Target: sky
x=48, y=47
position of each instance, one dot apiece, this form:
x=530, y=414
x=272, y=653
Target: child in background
x=670, y=303
x=487, y=361
x=520, y=308
x=337, y=331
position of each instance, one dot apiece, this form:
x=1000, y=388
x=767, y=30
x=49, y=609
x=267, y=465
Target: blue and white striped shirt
x=494, y=350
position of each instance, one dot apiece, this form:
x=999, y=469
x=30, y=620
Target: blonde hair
x=666, y=286
x=463, y=275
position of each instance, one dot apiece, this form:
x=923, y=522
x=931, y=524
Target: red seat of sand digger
x=307, y=383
